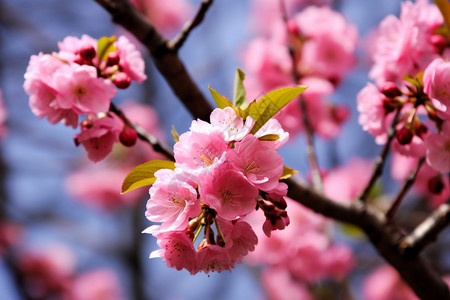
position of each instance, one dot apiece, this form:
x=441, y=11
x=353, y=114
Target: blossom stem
x=177, y=42
x=199, y=229
x=310, y=149
x=407, y=184
x=381, y=160
x=143, y=134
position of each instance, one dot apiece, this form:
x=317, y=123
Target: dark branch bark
x=167, y=61
x=381, y=160
x=179, y=40
x=427, y=231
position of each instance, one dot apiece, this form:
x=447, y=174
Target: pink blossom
x=402, y=44
x=96, y=284
x=231, y=125
x=372, y=114
x=39, y=86
x=3, y=116
x=99, y=136
x=385, y=284
x=273, y=126
x=258, y=161
x=80, y=89
x=438, y=149
x=70, y=46
x=131, y=61
x=436, y=85
x=228, y=192
x=348, y=181
x=176, y=250
x=196, y=150
x=172, y=200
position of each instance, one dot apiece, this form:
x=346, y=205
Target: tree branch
x=381, y=160
x=310, y=149
x=404, y=190
x=427, y=231
x=166, y=60
x=143, y=134
x=176, y=43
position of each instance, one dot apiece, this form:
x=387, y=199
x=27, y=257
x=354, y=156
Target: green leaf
x=269, y=137
x=352, y=231
x=271, y=103
x=287, y=172
x=221, y=101
x=105, y=45
x=444, y=7
x=174, y=133
x=144, y=174
x=239, y=89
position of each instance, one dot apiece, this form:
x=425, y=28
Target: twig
x=381, y=160
x=143, y=134
x=403, y=191
x=166, y=60
x=427, y=231
x=177, y=42
x=310, y=149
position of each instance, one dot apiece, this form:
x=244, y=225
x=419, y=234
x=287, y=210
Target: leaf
x=352, y=231
x=144, y=174
x=269, y=137
x=239, y=89
x=105, y=45
x=444, y=7
x=221, y=101
x=271, y=103
x=174, y=133
x=287, y=172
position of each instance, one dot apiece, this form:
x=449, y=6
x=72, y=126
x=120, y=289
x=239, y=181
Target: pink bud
x=404, y=136
x=113, y=59
x=420, y=129
x=435, y=185
x=122, y=80
x=439, y=42
x=128, y=137
x=340, y=113
x=293, y=28
x=390, y=89
x=87, y=53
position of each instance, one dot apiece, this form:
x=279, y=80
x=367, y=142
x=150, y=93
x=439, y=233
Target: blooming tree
x=223, y=195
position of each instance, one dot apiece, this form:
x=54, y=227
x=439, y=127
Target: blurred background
x=44, y=204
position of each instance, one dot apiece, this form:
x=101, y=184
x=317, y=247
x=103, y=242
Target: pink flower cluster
x=77, y=81
x=412, y=46
x=324, y=44
x=222, y=173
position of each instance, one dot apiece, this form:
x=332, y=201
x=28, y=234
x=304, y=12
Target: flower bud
x=390, y=89
x=439, y=42
x=122, y=80
x=128, y=137
x=87, y=53
x=436, y=185
x=113, y=59
x=293, y=28
x=404, y=136
x=340, y=113
x=420, y=129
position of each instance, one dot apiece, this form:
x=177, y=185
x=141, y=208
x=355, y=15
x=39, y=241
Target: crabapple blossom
x=130, y=62
x=96, y=284
x=438, y=149
x=436, y=85
x=402, y=45
x=222, y=174
x=98, y=135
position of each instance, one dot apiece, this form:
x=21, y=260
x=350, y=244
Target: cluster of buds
x=81, y=79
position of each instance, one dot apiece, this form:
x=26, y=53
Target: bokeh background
x=39, y=156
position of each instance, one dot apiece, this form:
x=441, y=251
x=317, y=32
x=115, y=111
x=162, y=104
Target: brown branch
x=166, y=60
x=404, y=190
x=427, y=231
x=385, y=237
x=176, y=43
x=310, y=149
x=143, y=134
x=381, y=160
